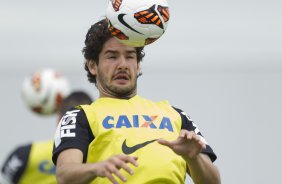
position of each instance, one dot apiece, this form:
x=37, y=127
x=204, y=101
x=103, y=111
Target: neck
x=118, y=96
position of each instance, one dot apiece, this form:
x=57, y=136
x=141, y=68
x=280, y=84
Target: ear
x=92, y=67
x=139, y=72
x=138, y=68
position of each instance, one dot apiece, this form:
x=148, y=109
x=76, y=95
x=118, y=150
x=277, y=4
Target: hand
x=188, y=144
x=111, y=167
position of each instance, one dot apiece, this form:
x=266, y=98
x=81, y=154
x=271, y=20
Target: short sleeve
x=14, y=166
x=188, y=124
x=73, y=131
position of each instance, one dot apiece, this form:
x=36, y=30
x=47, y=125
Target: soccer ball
x=44, y=91
x=137, y=22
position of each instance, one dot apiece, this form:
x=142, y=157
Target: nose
x=122, y=64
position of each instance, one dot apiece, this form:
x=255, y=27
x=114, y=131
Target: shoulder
x=73, y=120
x=22, y=150
x=163, y=104
x=16, y=163
x=187, y=122
x=182, y=113
x=73, y=131
x=72, y=116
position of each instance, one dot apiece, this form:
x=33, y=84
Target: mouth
x=122, y=77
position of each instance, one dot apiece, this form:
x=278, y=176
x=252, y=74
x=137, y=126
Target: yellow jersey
x=30, y=164
x=128, y=126
x=119, y=125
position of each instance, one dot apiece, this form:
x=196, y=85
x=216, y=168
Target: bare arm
x=199, y=166
x=202, y=170
x=71, y=170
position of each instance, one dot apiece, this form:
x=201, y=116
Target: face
x=117, y=71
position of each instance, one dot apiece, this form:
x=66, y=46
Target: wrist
x=192, y=159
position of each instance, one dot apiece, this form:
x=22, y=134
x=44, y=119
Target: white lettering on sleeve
x=12, y=167
x=66, y=127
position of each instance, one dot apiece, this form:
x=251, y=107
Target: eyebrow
x=110, y=51
x=114, y=52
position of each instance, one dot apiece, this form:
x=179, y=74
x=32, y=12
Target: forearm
x=202, y=170
x=75, y=173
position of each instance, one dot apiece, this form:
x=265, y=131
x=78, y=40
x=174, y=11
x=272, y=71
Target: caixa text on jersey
x=137, y=121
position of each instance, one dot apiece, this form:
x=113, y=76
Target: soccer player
x=123, y=137
x=32, y=163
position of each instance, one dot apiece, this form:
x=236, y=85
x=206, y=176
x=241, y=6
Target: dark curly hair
x=96, y=37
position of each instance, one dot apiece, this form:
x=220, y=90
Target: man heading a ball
x=123, y=137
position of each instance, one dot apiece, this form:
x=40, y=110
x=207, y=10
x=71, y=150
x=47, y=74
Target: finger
x=111, y=178
x=183, y=133
x=164, y=142
x=130, y=159
x=196, y=137
x=119, y=175
x=203, y=145
x=127, y=169
x=190, y=135
x=114, y=169
x=200, y=141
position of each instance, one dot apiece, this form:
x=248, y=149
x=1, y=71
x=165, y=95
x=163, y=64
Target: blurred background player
x=31, y=163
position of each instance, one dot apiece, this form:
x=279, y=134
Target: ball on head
x=137, y=22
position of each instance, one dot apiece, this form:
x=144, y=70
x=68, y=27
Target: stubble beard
x=118, y=91
x=123, y=92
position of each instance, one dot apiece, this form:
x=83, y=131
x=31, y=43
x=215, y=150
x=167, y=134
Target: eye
x=131, y=56
x=112, y=57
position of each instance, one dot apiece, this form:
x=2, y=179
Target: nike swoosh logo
x=120, y=18
x=128, y=150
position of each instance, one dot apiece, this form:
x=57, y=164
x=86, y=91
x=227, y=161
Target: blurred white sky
x=220, y=61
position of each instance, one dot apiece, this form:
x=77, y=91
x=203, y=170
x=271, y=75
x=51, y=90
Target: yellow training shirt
x=40, y=168
x=132, y=127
